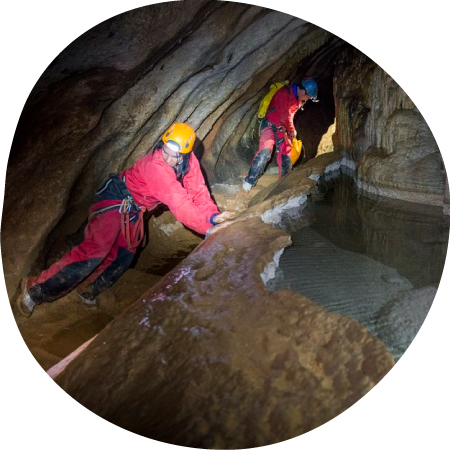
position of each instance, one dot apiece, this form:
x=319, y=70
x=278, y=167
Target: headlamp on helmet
x=179, y=137
x=311, y=88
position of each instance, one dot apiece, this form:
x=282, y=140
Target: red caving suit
x=279, y=120
x=104, y=255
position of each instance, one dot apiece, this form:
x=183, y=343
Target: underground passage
x=269, y=290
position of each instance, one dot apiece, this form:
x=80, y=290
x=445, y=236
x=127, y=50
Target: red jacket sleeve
x=164, y=186
x=293, y=108
x=194, y=183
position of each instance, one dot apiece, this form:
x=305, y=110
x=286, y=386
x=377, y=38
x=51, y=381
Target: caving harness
x=264, y=123
x=129, y=210
x=126, y=208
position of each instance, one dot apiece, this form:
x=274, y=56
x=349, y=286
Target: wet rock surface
x=209, y=358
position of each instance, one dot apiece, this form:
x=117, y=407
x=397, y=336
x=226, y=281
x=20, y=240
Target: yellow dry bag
x=296, y=150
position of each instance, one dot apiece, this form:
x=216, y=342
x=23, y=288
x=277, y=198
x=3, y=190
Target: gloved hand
x=292, y=134
x=223, y=217
x=216, y=228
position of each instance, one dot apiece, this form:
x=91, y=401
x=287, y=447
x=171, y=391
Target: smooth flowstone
x=210, y=358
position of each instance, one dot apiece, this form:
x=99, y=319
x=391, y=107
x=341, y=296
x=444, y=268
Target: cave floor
x=57, y=329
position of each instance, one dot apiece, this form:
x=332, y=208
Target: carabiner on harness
x=127, y=205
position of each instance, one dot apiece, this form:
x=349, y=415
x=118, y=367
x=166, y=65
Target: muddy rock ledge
x=209, y=358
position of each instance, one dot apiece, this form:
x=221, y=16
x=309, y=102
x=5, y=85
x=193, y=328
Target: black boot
x=258, y=166
x=24, y=302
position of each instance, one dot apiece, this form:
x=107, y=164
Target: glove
x=216, y=228
x=223, y=217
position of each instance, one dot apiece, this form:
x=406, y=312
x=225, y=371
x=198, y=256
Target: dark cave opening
x=313, y=122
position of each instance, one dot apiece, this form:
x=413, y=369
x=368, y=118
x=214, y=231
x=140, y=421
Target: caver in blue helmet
x=311, y=88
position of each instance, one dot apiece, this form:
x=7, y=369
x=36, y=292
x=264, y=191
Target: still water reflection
x=376, y=260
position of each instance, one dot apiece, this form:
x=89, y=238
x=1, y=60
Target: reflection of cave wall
x=410, y=237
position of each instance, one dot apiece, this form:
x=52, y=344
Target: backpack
x=274, y=87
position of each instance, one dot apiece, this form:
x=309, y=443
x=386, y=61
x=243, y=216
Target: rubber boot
x=88, y=299
x=24, y=302
x=258, y=165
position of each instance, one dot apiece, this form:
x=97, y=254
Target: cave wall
x=104, y=101
x=384, y=133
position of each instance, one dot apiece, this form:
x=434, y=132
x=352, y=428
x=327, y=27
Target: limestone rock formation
x=326, y=143
x=209, y=358
x=383, y=131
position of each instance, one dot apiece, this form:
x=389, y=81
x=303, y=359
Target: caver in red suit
x=167, y=175
x=277, y=130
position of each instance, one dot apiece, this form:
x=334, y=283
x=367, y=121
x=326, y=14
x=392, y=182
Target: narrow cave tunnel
x=274, y=309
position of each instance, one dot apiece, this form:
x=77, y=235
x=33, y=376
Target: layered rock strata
x=106, y=99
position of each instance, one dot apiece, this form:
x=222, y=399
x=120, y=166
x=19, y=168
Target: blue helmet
x=311, y=88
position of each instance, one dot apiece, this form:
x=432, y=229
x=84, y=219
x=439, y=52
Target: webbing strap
x=102, y=210
x=133, y=239
x=266, y=123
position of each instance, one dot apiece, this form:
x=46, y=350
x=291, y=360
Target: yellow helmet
x=179, y=137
